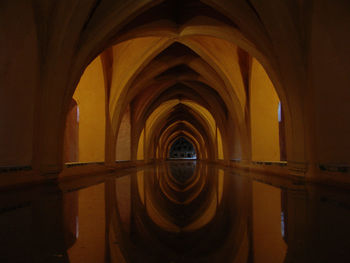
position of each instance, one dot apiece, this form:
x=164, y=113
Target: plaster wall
x=123, y=150
x=71, y=135
x=219, y=145
x=330, y=81
x=264, y=116
x=224, y=57
x=233, y=141
x=128, y=59
x=90, y=96
x=140, y=148
x=19, y=77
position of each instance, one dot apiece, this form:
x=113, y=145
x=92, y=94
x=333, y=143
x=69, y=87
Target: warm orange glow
x=90, y=96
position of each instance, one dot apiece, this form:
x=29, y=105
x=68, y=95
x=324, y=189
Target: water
x=176, y=212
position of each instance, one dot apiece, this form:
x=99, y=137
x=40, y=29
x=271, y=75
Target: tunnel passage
x=182, y=149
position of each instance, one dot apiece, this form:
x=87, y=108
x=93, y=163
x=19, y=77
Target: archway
x=182, y=149
x=214, y=36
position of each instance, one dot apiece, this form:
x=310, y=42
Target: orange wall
x=140, y=147
x=264, y=117
x=90, y=96
x=219, y=142
x=123, y=150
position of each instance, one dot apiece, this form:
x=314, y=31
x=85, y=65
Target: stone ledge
x=7, y=169
x=330, y=175
x=27, y=178
x=338, y=168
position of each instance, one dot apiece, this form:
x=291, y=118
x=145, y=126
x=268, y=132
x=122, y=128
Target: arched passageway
x=120, y=92
x=181, y=148
x=185, y=85
x=218, y=60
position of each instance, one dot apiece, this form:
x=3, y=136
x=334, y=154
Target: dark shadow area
x=182, y=149
x=178, y=211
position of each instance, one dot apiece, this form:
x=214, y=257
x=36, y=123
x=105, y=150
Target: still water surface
x=176, y=212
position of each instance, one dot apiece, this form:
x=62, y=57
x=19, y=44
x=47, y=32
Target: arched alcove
x=182, y=149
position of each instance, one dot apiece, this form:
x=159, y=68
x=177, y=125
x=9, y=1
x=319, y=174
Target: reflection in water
x=268, y=242
x=89, y=226
x=183, y=212
x=176, y=212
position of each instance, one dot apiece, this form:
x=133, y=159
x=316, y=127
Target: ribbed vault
x=186, y=51
x=152, y=46
x=252, y=85
x=149, y=49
